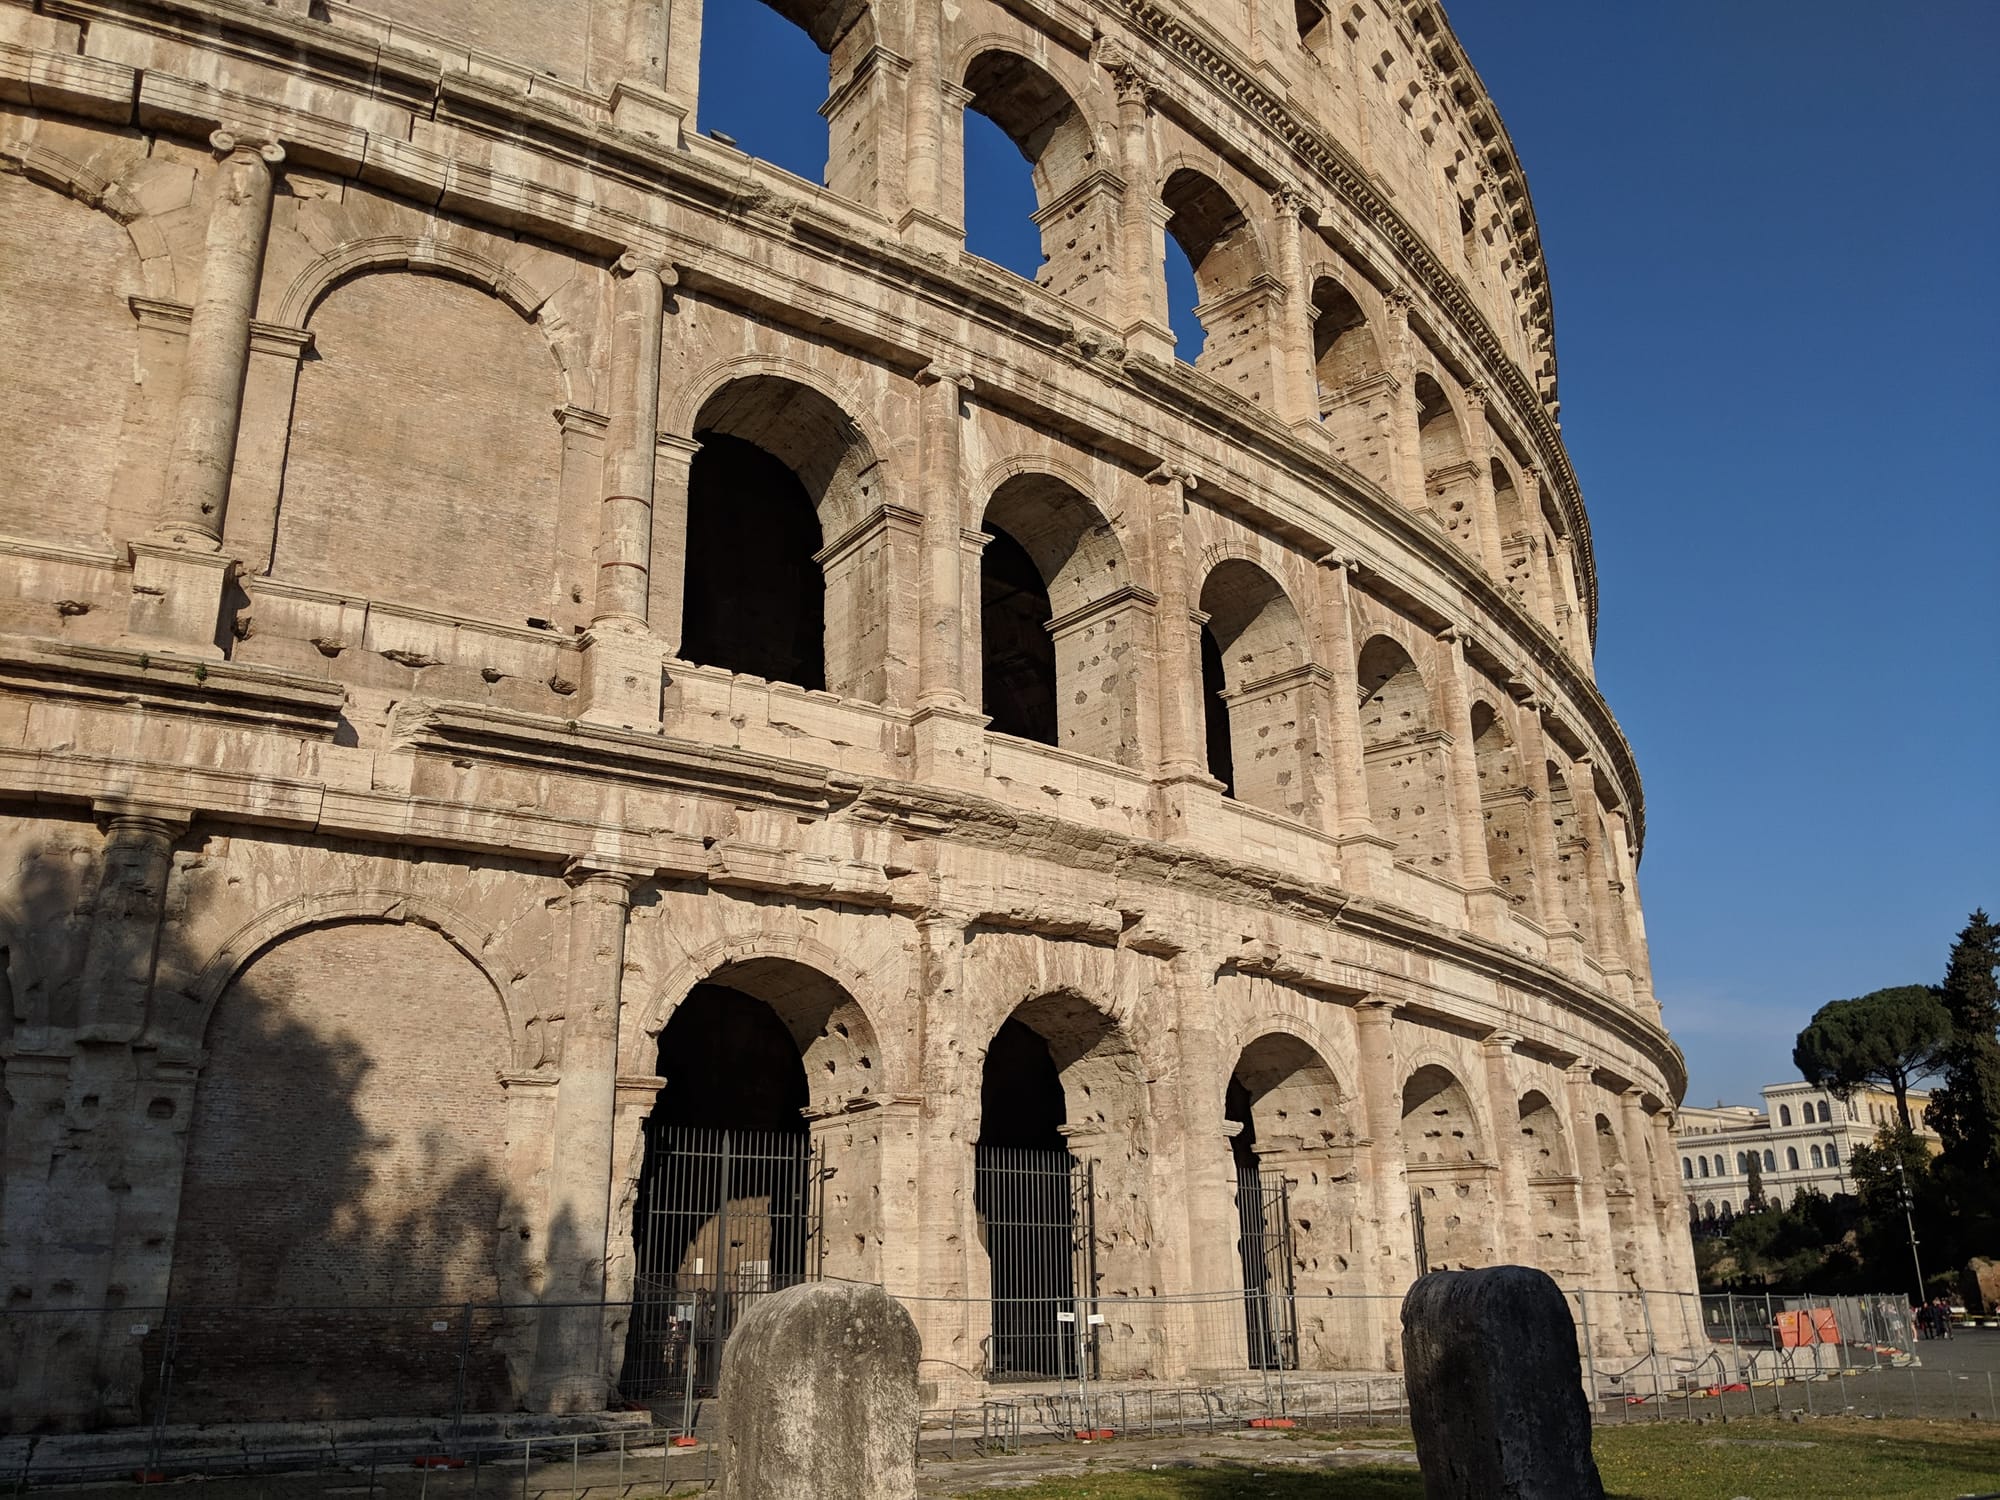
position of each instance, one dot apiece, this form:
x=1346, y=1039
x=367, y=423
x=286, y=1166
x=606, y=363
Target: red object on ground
x=1094, y=1434
x=684, y=1442
x=1272, y=1422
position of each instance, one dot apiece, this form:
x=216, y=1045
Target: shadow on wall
x=312, y=1176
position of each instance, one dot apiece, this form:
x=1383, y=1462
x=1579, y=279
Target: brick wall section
x=425, y=455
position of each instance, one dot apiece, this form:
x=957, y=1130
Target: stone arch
x=1554, y=1215
x=1518, y=539
x=1345, y=349
x=1445, y=1156
x=279, y=922
x=348, y=1146
x=1054, y=566
x=1041, y=116
x=80, y=467
x=1506, y=806
x=1451, y=479
x=1404, y=755
x=787, y=558
x=425, y=458
x=1256, y=636
x=1572, y=853
x=1223, y=250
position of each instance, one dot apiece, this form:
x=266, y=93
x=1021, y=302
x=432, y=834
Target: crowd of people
x=1934, y=1319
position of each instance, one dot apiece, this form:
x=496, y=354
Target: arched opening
x=1572, y=862
x=1450, y=479
x=1505, y=804
x=1450, y=1179
x=1018, y=662
x=1032, y=223
x=1215, y=714
x=732, y=1196
x=1516, y=539
x=1355, y=399
x=780, y=469
x=765, y=69
x=1296, y=1205
x=1056, y=622
x=1704, y=1166
x=1183, y=297
x=1256, y=635
x=1210, y=230
x=1623, y=1212
x=1404, y=757
x=1059, y=1105
x=1552, y=1187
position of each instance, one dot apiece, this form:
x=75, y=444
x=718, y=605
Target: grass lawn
x=1671, y=1461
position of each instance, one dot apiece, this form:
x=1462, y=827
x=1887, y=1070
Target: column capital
x=943, y=372
x=1580, y=1071
x=1174, y=474
x=115, y=816
x=1340, y=562
x=1398, y=302
x=1289, y=202
x=1376, y=1010
x=1501, y=1040
x=245, y=144
x=1477, y=395
x=605, y=876
x=638, y=262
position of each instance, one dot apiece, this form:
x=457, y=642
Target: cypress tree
x=1965, y=1110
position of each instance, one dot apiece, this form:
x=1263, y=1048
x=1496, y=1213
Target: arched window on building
x=1784, y=1114
x=1451, y=485
x=1825, y=1114
x=1017, y=113
x=1505, y=804
x=1818, y=1157
x=1252, y=679
x=1718, y=1166
x=1404, y=757
x=1791, y=1158
x=1742, y=1162
x=1770, y=1161
x=1687, y=1167
x=764, y=71
x=1832, y=1154
x=1703, y=1161
x=1208, y=228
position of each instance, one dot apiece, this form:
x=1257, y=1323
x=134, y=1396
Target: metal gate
x=1040, y=1244
x=722, y=1216
x=1264, y=1243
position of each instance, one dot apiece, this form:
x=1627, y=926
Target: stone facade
x=1804, y=1138
x=390, y=749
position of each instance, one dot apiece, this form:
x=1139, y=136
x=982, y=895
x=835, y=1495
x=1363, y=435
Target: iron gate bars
x=1037, y=1208
x=1264, y=1245
x=722, y=1216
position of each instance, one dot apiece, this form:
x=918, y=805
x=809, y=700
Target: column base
x=923, y=230
x=1151, y=340
x=1366, y=860
x=177, y=597
x=1486, y=906
x=1183, y=805
x=622, y=677
x=948, y=747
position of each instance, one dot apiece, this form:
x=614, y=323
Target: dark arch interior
x=1236, y=1108
x=1023, y=1192
x=1020, y=1092
x=755, y=599
x=1215, y=718
x=1018, y=673
x=723, y=1207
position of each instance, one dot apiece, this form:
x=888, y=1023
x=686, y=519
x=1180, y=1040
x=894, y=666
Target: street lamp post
x=1910, y=1223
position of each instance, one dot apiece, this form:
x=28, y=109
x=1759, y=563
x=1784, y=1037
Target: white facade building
x=1802, y=1137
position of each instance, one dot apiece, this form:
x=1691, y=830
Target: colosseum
x=592, y=727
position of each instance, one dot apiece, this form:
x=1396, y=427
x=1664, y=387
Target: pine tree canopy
x=1888, y=1038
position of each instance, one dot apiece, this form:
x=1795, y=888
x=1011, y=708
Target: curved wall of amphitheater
x=520, y=619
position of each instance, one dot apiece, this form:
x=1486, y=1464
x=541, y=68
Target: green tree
x=1965, y=1110
x=1753, y=1194
x=1888, y=1038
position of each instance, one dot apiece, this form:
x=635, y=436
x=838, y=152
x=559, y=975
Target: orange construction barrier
x=1812, y=1325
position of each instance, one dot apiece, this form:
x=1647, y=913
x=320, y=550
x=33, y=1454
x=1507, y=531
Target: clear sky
x=1772, y=230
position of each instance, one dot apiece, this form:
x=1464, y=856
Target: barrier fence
x=209, y=1389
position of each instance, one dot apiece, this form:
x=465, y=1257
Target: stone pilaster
x=179, y=573
x=572, y=1360
x=1365, y=854
x=1393, y=1253
x=673, y=464
x=621, y=658
x=1600, y=1270
x=1606, y=920
x=1516, y=1236
x=948, y=732
x=1296, y=394
x=1406, y=447
x=1565, y=942
x=1644, y=1174
x=1142, y=222
x=928, y=221
x=1179, y=629
x=1485, y=899
x=1485, y=507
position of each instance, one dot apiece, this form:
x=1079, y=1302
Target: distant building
x=1802, y=1137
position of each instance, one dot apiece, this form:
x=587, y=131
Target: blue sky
x=1772, y=231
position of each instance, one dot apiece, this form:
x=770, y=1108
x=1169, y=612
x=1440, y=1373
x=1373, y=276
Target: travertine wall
x=366, y=820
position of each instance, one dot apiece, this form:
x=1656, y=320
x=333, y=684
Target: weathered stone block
x=819, y=1397
x=1496, y=1390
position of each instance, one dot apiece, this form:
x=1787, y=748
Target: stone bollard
x=1496, y=1392
x=819, y=1397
